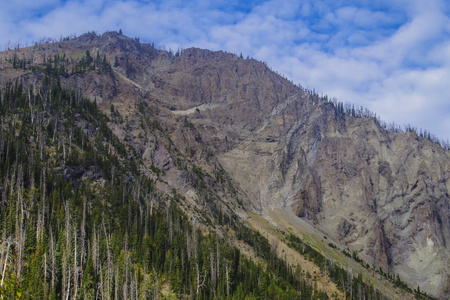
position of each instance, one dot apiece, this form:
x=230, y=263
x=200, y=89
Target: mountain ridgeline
x=129, y=172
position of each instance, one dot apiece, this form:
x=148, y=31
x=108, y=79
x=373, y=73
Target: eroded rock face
x=382, y=194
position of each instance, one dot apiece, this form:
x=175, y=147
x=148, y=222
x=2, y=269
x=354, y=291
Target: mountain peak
x=220, y=140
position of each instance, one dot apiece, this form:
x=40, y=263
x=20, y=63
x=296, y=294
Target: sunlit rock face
x=382, y=194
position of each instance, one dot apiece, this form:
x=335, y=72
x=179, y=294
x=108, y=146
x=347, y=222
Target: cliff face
x=383, y=194
x=380, y=193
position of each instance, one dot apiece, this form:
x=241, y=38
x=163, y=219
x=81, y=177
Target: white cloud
x=402, y=76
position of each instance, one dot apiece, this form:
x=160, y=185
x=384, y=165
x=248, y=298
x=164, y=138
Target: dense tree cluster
x=61, y=64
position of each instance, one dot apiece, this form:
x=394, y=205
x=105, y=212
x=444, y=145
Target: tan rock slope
x=383, y=194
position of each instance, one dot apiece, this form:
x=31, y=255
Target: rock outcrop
x=383, y=194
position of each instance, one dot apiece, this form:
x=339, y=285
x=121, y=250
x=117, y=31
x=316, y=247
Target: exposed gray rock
x=378, y=192
x=381, y=193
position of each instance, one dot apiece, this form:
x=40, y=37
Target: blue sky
x=392, y=57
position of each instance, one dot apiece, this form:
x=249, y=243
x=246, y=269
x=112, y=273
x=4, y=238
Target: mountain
x=133, y=172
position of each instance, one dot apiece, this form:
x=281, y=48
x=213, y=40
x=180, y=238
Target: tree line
x=350, y=109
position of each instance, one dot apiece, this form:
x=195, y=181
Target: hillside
x=131, y=172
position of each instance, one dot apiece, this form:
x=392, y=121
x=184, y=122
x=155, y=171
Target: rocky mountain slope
x=230, y=135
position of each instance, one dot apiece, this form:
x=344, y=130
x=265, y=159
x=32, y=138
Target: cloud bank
x=392, y=57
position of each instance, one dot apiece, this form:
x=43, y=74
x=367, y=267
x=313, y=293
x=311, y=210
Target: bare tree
x=5, y=256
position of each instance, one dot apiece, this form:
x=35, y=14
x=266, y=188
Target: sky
x=391, y=56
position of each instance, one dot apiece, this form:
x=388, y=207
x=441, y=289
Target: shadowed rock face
x=382, y=194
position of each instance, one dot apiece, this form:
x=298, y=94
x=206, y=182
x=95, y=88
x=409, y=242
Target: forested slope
x=90, y=209
x=78, y=220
